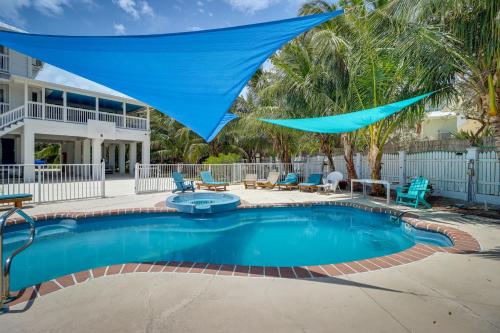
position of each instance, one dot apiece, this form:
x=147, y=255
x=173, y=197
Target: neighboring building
x=88, y=125
x=441, y=124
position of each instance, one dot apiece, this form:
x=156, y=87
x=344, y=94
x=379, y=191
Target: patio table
x=372, y=181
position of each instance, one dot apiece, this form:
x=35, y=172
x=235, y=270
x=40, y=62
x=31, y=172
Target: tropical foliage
x=376, y=53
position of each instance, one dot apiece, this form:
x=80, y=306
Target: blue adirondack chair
x=290, y=181
x=312, y=182
x=209, y=182
x=414, y=194
x=181, y=184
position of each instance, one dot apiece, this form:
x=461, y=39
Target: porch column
x=105, y=155
x=86, y=151
x=78, y=152
x=28, y=153
x=43, y=102
x=65, y=106
x=121, y=158
x=96, y=157
x=18, y=149
x=148, y=116
x=124, y=114
x=145, y=159
x=112, y=156
x=26, y=97
x=132, y=158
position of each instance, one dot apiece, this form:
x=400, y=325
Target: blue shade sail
x=347, y=122
x=194, y=77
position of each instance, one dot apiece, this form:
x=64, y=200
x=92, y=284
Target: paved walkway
x=442, y=293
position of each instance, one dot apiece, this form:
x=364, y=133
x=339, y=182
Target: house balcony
x=68, y=114
x=4, y=63
x=4, y=107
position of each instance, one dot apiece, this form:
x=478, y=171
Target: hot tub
x=202, y=202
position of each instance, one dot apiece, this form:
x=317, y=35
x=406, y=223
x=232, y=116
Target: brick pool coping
x=462, y=241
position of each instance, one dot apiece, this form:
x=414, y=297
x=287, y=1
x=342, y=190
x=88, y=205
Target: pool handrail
x=5, y=272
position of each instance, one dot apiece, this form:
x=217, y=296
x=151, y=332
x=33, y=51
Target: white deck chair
x=333, y=179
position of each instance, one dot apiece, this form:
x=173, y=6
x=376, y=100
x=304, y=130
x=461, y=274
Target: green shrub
x=223, y=159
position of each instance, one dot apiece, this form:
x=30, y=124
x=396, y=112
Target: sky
x=133, y=17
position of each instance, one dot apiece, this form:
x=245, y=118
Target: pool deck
x=443, y=292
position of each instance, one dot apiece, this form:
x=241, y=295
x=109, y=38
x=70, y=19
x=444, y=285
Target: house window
x=2, y=49
x=2, y=95
x=34, y=96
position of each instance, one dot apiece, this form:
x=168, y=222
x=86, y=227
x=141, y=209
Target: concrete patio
x=442, y=293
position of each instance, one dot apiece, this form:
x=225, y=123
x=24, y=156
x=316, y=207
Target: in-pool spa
x=203, y=202
x=292, y=236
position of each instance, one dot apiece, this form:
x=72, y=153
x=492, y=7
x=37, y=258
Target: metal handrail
x=5, y=272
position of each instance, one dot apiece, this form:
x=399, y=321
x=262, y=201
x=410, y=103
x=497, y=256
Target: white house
x=88, y=125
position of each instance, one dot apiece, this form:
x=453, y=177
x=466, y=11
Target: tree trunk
x=326, y=144
x=349, y=157
x=349, y=160
x=375, y=163
x=495, y=123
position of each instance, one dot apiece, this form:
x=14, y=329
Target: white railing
x=4, y=107
x=82, y=116
x=4, y=62
x=35, y=110
x=54, y=182
x=158, y=177
x=136, y=123
x=111, y=118
x=76, y=115
x=11, y=117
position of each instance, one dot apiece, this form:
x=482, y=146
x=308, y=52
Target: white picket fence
x=158, y=177
x=54, y=182
x=446, y=171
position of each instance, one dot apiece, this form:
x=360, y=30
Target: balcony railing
x=4, y=107
x=82, y=116
x=4, y=62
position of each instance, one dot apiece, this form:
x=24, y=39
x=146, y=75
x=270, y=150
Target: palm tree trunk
x=495, y=124
x=349, y=157
x=326, y=143
x=375, y=163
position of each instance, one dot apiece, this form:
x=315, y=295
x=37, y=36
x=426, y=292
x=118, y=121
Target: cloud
x=11, y=9
x=251, y=6
x=119, y=28
x=50, y=7
x=195, y=28
x=135, y=9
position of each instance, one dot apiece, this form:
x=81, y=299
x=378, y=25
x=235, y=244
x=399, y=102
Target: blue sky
x=119, y=17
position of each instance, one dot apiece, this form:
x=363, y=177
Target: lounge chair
x=181, y=184
x=250, y=180
x=414, y=194
x=17, y=199
x=270, y=182
x=208, y=181
x=312, y=182
x=331, y=182
x=289, y=183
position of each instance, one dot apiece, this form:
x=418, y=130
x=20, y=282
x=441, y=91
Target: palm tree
x=476, y=26
x=387, y=61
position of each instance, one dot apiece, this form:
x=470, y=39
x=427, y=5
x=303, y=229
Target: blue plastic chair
x=414, y=194
x=209, y=182
x=312, y=182
x=290, y=181
x=181, y=184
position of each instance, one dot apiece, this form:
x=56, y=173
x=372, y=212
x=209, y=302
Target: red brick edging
x=463, y=242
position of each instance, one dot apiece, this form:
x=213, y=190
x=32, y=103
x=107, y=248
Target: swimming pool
x=291, y=236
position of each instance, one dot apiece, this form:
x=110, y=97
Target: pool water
x=261, y=237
